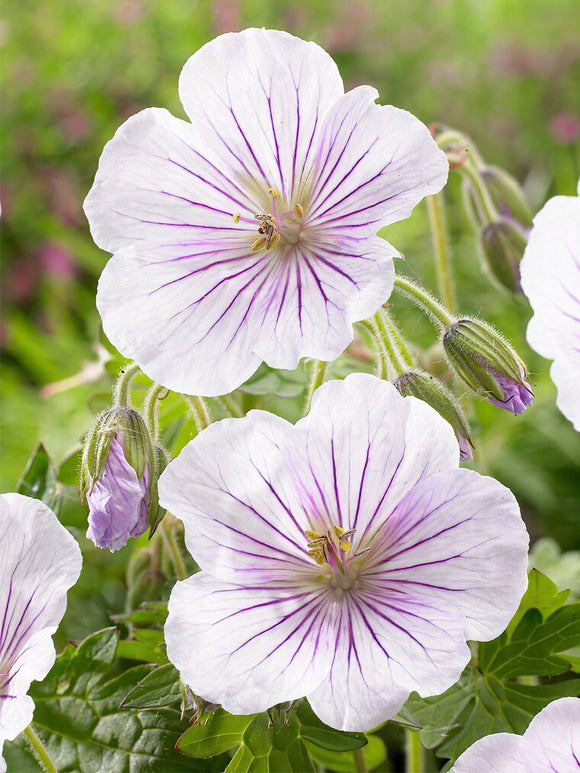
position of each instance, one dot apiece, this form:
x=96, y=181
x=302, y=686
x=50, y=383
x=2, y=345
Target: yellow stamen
x=273, y=240
x=274, y=193
x=259, y=243
x=299, y=211
x=311, y=534
x=236, y=217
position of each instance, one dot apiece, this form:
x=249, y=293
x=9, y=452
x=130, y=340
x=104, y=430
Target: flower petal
x=225, y=485
x=552, y=740
x=363, y=448
x=496, y=753
x=39, y=562
x=553, y=289
x=386, y=647
x=459, y=536
x=248, y=648
x=374, y=165
x=260, y=95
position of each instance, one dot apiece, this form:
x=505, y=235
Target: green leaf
x=147, y=646
x=39, y=479
x=79, y=718
x=495, y=695
x=158, y=688
x=316, y=732
x=374, y=753
x=69, y=471
x=219, y=733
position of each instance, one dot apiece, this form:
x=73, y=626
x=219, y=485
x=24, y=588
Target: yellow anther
x=345, y=546
x=338, y=530
x=318, y=555
x=311, y=534
x=274, y=193
x=236, y=217
x=259, y=243
x=299, y=211
x=273, y=240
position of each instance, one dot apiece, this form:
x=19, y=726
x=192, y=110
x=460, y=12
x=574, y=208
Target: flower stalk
x=436, y=210
x=199, y=412
x=40, y=750
x=432, y=309
x=316, y=379
x=124, y=385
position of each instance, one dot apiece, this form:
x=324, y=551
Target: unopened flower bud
x=156, y=512
x=116, y=477
x=507, y=194
x=503, y=244
x=432, y=391
x=488, y=364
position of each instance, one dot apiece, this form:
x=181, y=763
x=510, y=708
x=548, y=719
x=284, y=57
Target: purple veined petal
x=388, y=646
x=39, y=562
x=155, y=186
x=550, y=743
x=364, y=449
x=552, y=740
x=249, y=648
x=374, y=164
x=260, y=95
x=496, y=753
x=447, y=537
x=553, y=289
x=225, y=486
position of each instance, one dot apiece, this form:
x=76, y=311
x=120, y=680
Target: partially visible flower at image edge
x=550, y=277
x=344, y=558
x=39, y=562
x=551, y=743
x=249, y=233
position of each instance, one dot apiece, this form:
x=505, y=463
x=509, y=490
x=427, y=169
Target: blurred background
x=506, y=72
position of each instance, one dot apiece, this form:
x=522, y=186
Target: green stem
x=382, y=356
x=487, y=204
x=151, y=409
x=124, y=384
x=231, y=406
x=318, y=373
x=397, y=339
x=383, y=329
x=434, y=310
x=413, y=752
x=199, y=411
x=170, y=543
x=39, y=749
x=438, y=223
x=359, y=761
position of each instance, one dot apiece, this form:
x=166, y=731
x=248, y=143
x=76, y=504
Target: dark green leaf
x=80, y=722
x=69, y=471
x=374, y=753
x=39, y=479
x=147, y=646
x=158, y=688
x=219, y=733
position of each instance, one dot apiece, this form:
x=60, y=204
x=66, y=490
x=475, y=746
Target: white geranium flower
x=248, y=234
x=39, y=562
x=551, y=744
x=550, y=277
x=346, y=558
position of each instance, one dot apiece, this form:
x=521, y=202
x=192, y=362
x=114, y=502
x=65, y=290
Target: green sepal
x=506, y=192
x=503, y=243
x=475, y=349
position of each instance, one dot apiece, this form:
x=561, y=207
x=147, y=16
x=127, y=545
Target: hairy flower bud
x=507, y=195
x=503, y=243
x=117, y=477
x=432, y=391
x=488, y=364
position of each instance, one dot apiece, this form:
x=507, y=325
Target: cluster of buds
x=119, y=473
x=487, y=364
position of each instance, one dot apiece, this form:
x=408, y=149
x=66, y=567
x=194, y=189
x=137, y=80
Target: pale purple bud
x=517, y=396
x=118, y=500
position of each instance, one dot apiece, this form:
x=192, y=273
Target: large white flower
x=550, y=277
x=346, y=558
x=249, y=233
x=39, y=562
x=551, y=743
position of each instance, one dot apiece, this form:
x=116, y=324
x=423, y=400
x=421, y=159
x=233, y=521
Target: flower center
x=334, y=549
x=274, y=228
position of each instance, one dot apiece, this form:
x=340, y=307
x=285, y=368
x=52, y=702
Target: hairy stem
x=436, y=209
x=316, y=379
x=434, y=310
x=40, y=750
x=124, y=385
